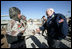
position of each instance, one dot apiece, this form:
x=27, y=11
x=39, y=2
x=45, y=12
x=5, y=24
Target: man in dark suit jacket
x=57, y=28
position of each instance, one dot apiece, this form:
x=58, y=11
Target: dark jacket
x=55, y=29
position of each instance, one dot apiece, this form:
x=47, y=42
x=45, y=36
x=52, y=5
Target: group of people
x=55, y=24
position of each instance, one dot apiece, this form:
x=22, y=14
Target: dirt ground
x=4, y=43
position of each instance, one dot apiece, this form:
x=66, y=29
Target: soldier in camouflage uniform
x=15, y=29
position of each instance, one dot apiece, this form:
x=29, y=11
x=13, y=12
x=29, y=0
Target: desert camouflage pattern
x=14, y=27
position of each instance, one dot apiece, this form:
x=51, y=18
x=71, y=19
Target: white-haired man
x=57, y=28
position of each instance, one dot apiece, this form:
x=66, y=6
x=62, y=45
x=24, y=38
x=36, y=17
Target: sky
x=36, y=9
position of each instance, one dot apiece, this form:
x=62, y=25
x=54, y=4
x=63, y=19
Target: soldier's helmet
x=13, y=13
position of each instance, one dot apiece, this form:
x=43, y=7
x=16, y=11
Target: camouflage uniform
x=14, y=28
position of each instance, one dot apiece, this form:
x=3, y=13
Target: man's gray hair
x=50, y=9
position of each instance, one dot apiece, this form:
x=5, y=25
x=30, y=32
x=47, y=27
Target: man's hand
x=62, y=20
x=38, y=30
x=13, y=32
x=23, y=31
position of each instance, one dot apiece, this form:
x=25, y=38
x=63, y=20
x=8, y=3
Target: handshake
x=37, y=30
